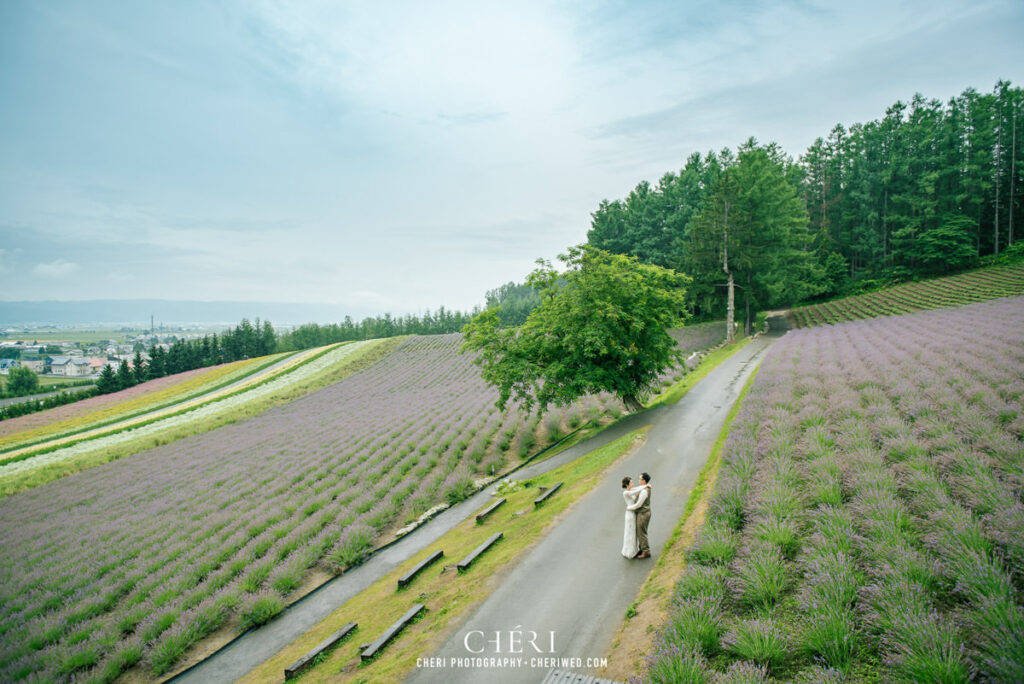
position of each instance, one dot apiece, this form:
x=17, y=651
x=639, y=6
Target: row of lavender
x=138, y=559
x=689, y=339
x=867, y=520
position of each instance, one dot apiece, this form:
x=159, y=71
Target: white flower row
x=205, y=411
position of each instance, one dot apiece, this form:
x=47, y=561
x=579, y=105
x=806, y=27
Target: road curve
x=253, y=648
x=45, y=395
x=575, y=584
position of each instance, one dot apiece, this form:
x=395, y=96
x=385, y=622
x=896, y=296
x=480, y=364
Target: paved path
x=44, y=395
x=575, y=583
x=253, y=648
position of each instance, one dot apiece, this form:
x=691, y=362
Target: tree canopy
x=928, y=188
x=514, y=302
x=21, y=380
x=754, y=227
x=601, y=326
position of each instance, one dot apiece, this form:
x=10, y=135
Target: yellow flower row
x=214, y=376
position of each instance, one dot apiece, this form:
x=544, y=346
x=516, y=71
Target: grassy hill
x=964, y=288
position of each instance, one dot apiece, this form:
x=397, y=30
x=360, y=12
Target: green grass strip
x=143, y=411
x=156, y=419
x=448, y=595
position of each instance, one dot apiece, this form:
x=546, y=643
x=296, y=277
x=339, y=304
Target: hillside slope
x=145, y=555
x=868, y=514
x=964, y=288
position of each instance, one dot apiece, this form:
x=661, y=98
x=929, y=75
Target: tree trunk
x=1013, y=172
x=730, y=314
x=748, y=327
x=632, y=403
x=730, y=309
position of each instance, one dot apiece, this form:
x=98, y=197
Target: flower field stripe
x=150, y=417
x=867, y=516
x=178, y=396
x=103, y=409
x=223, y=402
x=128, y=564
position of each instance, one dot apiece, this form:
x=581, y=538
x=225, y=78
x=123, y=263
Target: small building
x=59, y=364
x=37, y=366
x=96, y=364
x=79, y=368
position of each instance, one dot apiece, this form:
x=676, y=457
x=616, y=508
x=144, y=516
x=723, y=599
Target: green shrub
x=831, y=634
x=758, y=640
x=669, y=664
x=715, y=546
x=260, y=608
x=761, y=578
x=695, y=624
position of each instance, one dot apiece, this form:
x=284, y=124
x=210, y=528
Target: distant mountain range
x=137, y=312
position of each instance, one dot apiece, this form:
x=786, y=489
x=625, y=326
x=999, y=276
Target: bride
x=630, y=545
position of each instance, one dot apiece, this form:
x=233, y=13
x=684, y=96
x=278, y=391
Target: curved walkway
x=718, y=390
x=574, y=587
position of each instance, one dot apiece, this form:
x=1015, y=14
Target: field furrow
x=966, y=288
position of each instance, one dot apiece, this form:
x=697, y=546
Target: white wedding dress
x=630, y=545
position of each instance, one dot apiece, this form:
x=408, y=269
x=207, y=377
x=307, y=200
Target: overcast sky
x=397, y=156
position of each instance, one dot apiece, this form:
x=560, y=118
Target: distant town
x=84, y=358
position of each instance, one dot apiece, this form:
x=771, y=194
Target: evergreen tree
x=125, y=379
x=753, y=230
x=139, y=371
x=107, y=381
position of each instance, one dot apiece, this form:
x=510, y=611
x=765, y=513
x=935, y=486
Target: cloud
x=6, y=260
x=414, y=59
x=57, y=269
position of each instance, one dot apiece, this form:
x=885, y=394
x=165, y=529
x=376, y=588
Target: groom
x=643, y=516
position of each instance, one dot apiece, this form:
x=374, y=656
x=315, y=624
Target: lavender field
x=699, y=336
x=138, y=559
x=867, y=520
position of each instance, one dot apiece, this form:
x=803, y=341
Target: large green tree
x=601, y=326
x=107, y=381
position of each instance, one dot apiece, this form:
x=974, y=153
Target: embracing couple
x=638, y=517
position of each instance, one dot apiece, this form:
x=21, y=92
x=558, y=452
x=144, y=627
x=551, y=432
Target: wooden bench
x=306, y=661
x=408, y=577
x=482, y=515
x=546, y=495
x=464, y=564
x=376, y=646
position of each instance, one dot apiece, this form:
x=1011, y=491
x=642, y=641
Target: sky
x=398, y=156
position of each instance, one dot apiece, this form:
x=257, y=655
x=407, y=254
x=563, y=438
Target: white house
x=79, y=368
x=59, y=365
